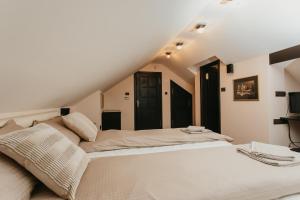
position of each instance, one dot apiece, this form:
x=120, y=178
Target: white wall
x=281, y=80
x=114, y=98
x=90, y=106
x=248, y=121
x=245, y=120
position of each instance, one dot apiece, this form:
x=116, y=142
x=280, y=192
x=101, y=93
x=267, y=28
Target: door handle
x=137, y=103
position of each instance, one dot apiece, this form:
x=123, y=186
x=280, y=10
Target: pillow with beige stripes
x=81, y=125
x=49, y=156
x=16, y=183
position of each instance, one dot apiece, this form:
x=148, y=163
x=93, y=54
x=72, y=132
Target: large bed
x=169, y=164
x=190, y=171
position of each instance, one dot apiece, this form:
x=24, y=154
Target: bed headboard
x=26, y=118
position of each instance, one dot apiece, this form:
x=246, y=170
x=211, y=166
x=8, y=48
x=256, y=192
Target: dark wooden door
x=210, y=96
x=148, y=100
x=181, y=106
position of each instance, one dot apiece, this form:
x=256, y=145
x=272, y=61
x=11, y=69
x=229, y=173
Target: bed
x=152, y=165
x=199, y=171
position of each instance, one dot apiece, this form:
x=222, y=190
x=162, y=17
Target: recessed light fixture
x=200, y=28
x=179, y=45
x=225, y=1
x=168, y=54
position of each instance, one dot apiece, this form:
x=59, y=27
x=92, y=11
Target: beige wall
x=248, y=121
x=245, y=121
x=197, y=98
x=281, y=80
x=90, y=106
x=114, y=98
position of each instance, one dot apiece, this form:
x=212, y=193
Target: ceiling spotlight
x=225, y=1
x=200, y=28
x=168, y=54
x=179, y=45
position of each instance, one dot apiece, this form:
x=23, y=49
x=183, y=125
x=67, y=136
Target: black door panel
x=148, y=100
x=181, y=107
x=210, y=96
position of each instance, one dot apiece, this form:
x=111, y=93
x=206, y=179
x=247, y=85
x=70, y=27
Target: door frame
x=172, y=83
x=214, y=63
x=135, y=97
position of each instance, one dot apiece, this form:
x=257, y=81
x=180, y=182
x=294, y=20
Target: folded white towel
x=270, y=149
x=195, y=128
x=270, y=154
x=185, y=130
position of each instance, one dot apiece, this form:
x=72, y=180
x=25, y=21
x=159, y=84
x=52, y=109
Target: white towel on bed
x=195, y=128
x=270, y=154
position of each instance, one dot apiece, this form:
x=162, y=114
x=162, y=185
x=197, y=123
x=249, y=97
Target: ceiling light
x=225, y=1
x=168, y=54
x=179, y=45
x=200, y=28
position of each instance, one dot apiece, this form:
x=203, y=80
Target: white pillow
x=49, y=156
x=81, y=125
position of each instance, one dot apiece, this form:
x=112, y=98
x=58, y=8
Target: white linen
x=195, y=128
x=148, y=150
x=274, y=155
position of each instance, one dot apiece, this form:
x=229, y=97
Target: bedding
x=114, y=140
x=81, y=125
x=191, y=174
x=49, y=156
x=269, y=154
x=15, y=183
x=41, y=192
x=150, y=150
x=217, y=173
x=9, y=126
x=58, y=124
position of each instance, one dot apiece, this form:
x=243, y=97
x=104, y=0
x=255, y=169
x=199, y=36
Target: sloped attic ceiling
x=236, y=31
x=54, y=52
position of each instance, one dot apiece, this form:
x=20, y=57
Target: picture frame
x=246, y=89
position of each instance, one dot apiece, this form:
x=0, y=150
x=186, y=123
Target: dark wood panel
x=181, y=106
x=111, y=120
x=210, y=96
x=285, y=55
x=148, y=100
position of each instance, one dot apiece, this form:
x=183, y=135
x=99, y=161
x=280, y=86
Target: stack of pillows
x=47, y=152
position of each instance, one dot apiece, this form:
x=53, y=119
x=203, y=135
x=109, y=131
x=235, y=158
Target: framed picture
x=246, y=89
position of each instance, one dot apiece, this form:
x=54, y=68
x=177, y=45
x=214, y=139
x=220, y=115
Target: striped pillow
x=81, y=125
x=49, y=156
x=16, y=183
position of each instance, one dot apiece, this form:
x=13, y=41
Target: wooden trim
x=285, y=55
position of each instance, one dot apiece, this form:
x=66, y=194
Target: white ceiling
x=54, y=52
x=237, y=31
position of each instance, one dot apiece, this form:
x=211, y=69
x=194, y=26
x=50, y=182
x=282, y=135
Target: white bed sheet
x=149, y=150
